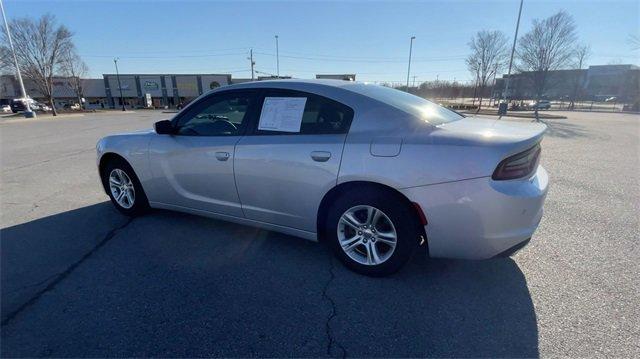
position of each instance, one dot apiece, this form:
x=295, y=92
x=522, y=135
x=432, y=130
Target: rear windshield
x=414, y=105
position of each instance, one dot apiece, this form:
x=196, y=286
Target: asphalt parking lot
x=80, y=280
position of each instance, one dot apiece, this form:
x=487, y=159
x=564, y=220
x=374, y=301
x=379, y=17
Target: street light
x=115, y=61
x=409, y=68
x=277, y=58
x=27, y=111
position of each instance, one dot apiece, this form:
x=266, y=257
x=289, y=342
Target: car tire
x=394, y=215
x=124, y=188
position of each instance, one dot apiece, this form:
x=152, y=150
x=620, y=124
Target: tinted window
x=414, y=105
x=217, y=115
x=321, y=115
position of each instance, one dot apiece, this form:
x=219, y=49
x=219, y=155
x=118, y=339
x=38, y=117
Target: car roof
x=301, y=84
x=310, y=82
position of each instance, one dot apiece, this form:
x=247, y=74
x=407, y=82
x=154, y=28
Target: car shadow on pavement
x=93, y=283
x=33, y=254
x=439, y=308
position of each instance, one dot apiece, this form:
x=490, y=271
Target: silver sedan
x=374, y=172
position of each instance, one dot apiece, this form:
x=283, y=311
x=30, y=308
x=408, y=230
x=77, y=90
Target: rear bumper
x=481, y=218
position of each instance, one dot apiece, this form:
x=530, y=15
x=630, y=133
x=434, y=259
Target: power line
x=360, y=60
x=167, y=57
x=315, y=55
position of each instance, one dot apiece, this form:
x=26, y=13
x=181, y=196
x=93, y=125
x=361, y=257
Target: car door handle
x=222, y=156
x=320, y=156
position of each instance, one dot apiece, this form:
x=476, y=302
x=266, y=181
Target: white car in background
x=43, y=107
x=6, y=109
x=372, y=171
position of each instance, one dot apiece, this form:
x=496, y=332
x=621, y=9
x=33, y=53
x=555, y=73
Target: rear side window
x=320, y=116
x=411, y=104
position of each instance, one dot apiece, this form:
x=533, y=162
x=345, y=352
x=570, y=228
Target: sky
x=368, y=38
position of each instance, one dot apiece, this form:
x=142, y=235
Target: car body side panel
x=480, y=218
x=187, y=172
x=464, y=149
x=280, y=183
x=133, y=147
x=240, y=220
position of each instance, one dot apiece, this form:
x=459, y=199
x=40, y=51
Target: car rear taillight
x=519, y=165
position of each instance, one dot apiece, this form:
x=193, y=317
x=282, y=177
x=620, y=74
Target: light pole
x=277, y=58
x=115, y=61
x=409, y=68
x=513, y=50
x=27, y=112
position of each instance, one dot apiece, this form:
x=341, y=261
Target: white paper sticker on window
x=282, y=114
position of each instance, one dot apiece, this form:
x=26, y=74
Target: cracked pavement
x=80, y=280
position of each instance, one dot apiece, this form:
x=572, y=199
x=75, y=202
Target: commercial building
x=63, y=91
x=161, y=90
x=138, y=90
x=598, y=82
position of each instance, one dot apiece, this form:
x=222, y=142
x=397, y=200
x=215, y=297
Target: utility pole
x=414, y=80
x=475, y=89
x=27, y=112
x=513, y=50
x=115, y=61
x=493, y=85
x=277, y=58
x=409, y=68
x=252, y=64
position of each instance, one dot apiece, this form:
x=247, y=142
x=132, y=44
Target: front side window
x=320, y=116
x=217, y=115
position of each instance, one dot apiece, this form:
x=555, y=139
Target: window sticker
x=282, y=114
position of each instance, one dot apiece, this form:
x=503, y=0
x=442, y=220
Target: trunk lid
x=476, y=131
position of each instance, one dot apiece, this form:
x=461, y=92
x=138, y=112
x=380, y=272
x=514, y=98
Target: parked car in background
x=6, y=108
x=71, y=106
x=20, y=104
x=540, y=105
x=372, y=171
x=39, y=106
x=611, y=99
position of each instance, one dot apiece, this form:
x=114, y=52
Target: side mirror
x=164, y=127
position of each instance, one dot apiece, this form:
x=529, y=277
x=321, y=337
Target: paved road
x=78, y=279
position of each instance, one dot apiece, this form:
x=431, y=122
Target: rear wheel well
x=336, y=191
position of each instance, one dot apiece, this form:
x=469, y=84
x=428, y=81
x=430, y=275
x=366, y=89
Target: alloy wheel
x=367, y=235
x=122, y=188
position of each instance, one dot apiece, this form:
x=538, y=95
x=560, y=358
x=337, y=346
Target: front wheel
x=372, y=233
x=124, y=188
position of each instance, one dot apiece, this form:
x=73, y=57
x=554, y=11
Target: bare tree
x=580, y=55
x=74, y=69
x=488, y=55
x=40, y=46
x=5, y=61
x=546, y=47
